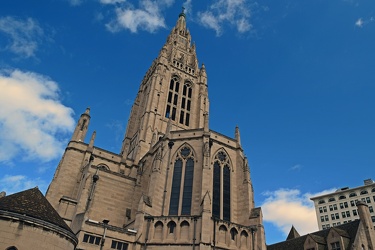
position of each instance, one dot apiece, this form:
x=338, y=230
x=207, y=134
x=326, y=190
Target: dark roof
x=348, y=230
x=32, y=203
x=292, y=234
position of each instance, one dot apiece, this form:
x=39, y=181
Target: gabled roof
x=292, y=234
x=348, y=230
x=318, y=239
x=32, y=203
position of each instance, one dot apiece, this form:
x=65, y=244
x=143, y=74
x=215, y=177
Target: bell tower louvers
x=173, y=95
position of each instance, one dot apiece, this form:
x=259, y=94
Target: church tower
x=176, y=184
x=174, y=89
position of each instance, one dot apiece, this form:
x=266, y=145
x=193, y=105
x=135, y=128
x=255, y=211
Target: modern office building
x=175, y=184
x=339, y=207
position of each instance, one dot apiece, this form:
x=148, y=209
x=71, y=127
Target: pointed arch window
x=186, y=104
x=182, y=183
x=174, y=88
x=179, y=104
x=221, y=187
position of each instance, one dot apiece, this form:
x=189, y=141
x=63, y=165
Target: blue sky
x=297, y=77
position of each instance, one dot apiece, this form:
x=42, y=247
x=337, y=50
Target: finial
x=182, y=12
x=87, y=110
x=237, y=135
x=91, y=144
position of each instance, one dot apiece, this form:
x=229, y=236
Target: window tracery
x=221, y=186
x=182, y=182
x=179, y=104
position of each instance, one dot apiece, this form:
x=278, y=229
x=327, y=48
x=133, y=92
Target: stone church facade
x=175, y=184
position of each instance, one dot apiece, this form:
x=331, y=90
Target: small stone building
x=355, y=235
x=28, y=221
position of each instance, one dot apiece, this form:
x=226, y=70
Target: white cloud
x=360, y=22
x=188, y=6
x=147, y=17
x=33, y=122
x=16, y=183
x=111, y=1
x=24, y=35
x=287, y=207
x=234, y=12
x=296, y=167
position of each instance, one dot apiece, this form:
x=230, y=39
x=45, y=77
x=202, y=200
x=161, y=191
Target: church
x=175, y=184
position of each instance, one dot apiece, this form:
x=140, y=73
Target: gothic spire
x=181, y=22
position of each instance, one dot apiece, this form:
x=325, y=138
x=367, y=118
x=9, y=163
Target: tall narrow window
x=185, y=104
x=183, y=175
x=221, y=187
x=175, y=194
x=226, y=193
x=188, y=187
x=174, y=88
x=216, y=191
x=83, y=124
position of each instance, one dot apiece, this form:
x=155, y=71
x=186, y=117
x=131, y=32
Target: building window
x=335, y=246
x=221, y=181
x=330, y=207
x=183, y=164
x=216, y=191
x=371, y=209
x=352, y=203
x=119, y=245
x=91, y=239
x=320, y=209
x=364, y=192
x=342, y=197
x=233, y=234
x=325, y=209
x=177, y=104
x=331, y=199
x=355, y=212
x=322, y=218
x=373, y=218
x=186, y=104
x=321, y=201
x=171, y=227
x=337, y=216
x=174, y=88
x=326, y=218
x=352, y=194
x=332, y=217
x=341, y=205
x=368, y=200
x=347, y=214
x=334, y=206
